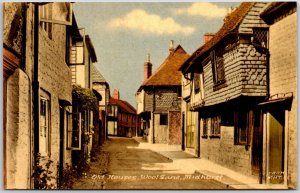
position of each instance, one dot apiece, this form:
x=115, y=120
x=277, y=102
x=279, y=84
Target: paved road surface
x=131, y=167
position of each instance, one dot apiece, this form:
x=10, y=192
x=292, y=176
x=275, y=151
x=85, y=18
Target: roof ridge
x=164, y=63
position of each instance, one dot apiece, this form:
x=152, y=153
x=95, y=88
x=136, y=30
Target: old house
x=85, y=100
x=37, y=90
x=190, y=121
x=101, y=86
x=122, y=118
x=280, y=108
x=158, y=99
x=228, y=77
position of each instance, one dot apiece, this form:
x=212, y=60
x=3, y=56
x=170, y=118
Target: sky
x=124, y=33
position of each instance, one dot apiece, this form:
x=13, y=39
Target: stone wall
x=55, y=79
x=18, y=133
x=283, y=79
x=13, y=23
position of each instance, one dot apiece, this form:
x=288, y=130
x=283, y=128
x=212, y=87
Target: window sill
x=215, y=136
x=204, y=136
x=219, y=85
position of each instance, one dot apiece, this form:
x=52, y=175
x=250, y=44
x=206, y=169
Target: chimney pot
x=171, y=46
x=207, y=37
x=116, y=94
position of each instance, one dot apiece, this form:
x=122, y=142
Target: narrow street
x=131, y=167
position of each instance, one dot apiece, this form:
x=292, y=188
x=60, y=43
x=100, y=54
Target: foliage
x=81, y=164
x=42, y=174
x=85, y=98
x=67, y=178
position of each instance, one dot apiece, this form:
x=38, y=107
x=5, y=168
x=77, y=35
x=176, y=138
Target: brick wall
x=223, y=151
x=283, y=79
x=175, y=131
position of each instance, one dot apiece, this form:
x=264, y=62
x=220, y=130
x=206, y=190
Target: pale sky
x=124, y=33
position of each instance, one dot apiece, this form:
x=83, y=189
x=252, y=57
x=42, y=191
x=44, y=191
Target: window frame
x=46, y=11
x=218, y=69
x=241, y=117
x=165, y=122
x=215, y=128
x=47, y=132
x=204, y=127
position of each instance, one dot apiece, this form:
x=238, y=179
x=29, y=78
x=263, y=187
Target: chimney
x=171, y=46
x=207, y=37
x=147, y=68
x=116, y=94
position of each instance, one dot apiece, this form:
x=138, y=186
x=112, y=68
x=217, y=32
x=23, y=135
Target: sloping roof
x=167, y=74
x=91, y=48
x=96, y=75
x=231, y=23
x=124, y=106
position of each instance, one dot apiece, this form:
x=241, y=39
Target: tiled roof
x=167, y=74
x=231, y=23
x=96, y=75
x=124, y=106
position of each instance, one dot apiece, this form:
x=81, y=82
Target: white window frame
x=44, y=133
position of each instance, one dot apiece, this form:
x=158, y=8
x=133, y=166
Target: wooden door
x=257, y=145
x=276, y=147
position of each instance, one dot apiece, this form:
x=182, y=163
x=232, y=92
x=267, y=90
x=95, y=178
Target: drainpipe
x=35, y=83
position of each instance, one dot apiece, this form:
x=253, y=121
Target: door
x=257, y=145
x=276, y=147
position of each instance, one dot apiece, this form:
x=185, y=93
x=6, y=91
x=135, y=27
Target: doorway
x=276, y=121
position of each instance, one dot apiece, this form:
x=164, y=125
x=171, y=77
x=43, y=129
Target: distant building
x=159, y=99
x=122, y=120
x=85, y=119
x=102, y=87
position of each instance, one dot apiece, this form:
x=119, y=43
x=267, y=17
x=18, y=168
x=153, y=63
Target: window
x=70, y=130
x=163, y=119
x=240, y=127
x=215, y=126
x=204, y=128
x=197, y=82
x=46, y=12
x=44, y=126
x=227, y=118
x=75, y=134
x=260, y=36
x=190, y=127
x=218, y=67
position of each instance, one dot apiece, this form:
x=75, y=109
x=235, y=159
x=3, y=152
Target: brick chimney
x=147, y=68
x=116, y=94
x=207, y=37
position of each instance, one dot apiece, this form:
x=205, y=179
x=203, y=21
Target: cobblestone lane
x=124, y=165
